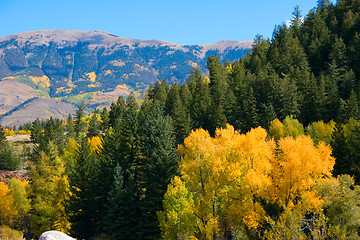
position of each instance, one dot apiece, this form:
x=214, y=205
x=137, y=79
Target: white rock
x=55, y=235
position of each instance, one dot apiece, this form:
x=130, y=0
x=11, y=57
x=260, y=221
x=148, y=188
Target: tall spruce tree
x=176, y=110
x=70, y=128
x=200, y=107
x=115, y=215
x=116, y=111
x=121, y=147
x=159, y=166
x=83, y=206
x=94, y=126
x=79, y=124
x=105, y=119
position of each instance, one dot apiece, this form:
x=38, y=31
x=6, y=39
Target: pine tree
x=115, y=216
x=83, y=206
x=296, y=21
x=352, y=106
x=159, y=166
x=341, y=152
x=122, y=148
x=269, y=115
x=2, y=135
x=159, y=92
x=200, y=107
x=186, y=96
x=37, y=135
x=176, y=110
x=195, y=74
x=288, y=98
x=116, y=111
x=70, y=128
x=217, y=81
x=94, y=126
x=173, y=94
x=54, y=132
x=249, y=116
x=79, y=124
x=105, y=119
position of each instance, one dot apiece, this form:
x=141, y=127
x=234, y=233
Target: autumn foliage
x=246, y=185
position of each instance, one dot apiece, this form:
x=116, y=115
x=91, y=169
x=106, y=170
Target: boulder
x=55, y=235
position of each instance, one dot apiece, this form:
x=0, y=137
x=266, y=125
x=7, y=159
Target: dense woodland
x=267, y=147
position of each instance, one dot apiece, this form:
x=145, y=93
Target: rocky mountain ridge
x=95, y=66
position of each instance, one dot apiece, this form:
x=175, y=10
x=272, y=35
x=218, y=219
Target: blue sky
x=183, y=22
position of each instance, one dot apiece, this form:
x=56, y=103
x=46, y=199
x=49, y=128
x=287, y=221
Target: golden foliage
x=9, y=78
x=43, y=81
x=227, y=175
x=23, y=132
x=6, y=205
x=117, y=63
x=108, y=72
x=91, y=76
x=7, y=233
x=299, y=166
x=9, y=132
x=95, y=144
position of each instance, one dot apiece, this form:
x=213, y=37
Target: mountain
x=95, y=66
x=33, y=108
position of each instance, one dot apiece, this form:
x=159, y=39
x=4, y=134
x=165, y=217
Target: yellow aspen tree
x=177, y=220
x=198, y=169
x=8, y=212
x=225, y=173
x=298, y=166
x=276, y=129
x=21, y=202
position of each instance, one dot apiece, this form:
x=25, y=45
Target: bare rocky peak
x=226, y=44
x=111, y=42
x=65, y=37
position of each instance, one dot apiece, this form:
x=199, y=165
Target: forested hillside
x=73, y=65
x=266, y=147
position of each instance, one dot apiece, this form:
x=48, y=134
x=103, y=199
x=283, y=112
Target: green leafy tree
x=341, y=207
x=2, y=135
x=48, y=191
x=177, y=220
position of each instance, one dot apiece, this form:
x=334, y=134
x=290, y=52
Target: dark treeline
x=118, y=164
x=308, y=70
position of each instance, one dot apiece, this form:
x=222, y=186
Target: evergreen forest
x=266, y=147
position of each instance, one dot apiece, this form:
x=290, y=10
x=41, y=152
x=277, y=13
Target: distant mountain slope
x=63, y=63
x=13, y=93
x=91, y=66
x=41, y=108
